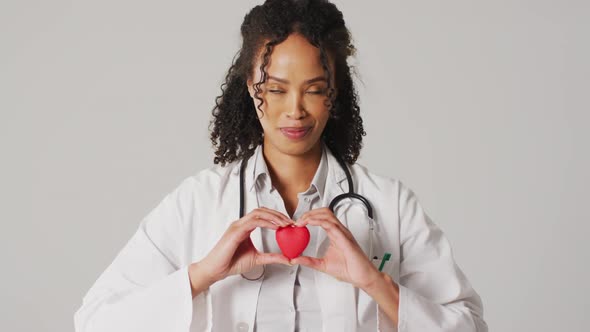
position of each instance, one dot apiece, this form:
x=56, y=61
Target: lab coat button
x=242, y=327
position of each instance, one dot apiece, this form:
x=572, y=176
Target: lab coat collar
x=261, y=169
x=334, y=169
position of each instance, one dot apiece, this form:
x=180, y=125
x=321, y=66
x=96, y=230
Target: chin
x=297, y=148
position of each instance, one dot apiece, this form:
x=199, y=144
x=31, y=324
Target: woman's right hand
x=235, y=253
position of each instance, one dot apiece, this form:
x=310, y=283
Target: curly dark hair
x=237, y=130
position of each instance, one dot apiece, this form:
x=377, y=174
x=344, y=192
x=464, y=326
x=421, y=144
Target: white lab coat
x=147, y=289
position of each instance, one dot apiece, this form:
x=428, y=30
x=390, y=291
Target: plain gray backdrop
x=481, y=108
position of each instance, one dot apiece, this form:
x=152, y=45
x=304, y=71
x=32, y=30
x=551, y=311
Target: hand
x=235, y=253
x=344, y=259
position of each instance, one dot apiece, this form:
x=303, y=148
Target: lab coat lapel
x=231, y=210
x=235, y=299
x=251, y=203
x=337, y=299
x=250, y=199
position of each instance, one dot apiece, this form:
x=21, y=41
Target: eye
x=319, y=92
x=275, y=91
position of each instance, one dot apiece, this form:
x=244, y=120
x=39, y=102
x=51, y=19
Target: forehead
x=293, y=59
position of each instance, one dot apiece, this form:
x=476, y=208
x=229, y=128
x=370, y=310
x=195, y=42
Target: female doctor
x=287, y=133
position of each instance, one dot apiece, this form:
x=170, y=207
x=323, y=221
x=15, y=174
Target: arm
x=146, y=288
x=199, y=281
x=434, y=294
x=386, y=293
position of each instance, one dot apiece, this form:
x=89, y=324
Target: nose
x=295, y=109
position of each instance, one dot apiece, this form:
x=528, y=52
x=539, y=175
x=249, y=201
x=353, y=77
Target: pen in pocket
x=385, y=258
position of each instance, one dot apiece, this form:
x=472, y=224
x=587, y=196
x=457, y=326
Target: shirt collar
x=261, y=175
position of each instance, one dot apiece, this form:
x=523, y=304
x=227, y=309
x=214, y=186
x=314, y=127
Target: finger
x=309, y=213
x=278, y=213
x=271, y=258
x=328, y=215
x=252, y=224
x=277, y=217
x=335, y=231
x=311, y=262
x=301, y=222
x=264, y=215
x=325, y=213
x=241, y=231
x=319, y=216
x=319, y=210
x=239, y=234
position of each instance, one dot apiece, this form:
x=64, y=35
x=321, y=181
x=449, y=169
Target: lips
x=295, y=133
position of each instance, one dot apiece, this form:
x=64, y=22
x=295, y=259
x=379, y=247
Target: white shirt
x=288, y=299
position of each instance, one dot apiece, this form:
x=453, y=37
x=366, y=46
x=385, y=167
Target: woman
x=288, y=114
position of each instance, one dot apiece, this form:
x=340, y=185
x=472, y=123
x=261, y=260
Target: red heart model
x=292, y=240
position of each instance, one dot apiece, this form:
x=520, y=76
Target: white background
x=481, y=108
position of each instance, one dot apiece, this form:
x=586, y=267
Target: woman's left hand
x=344, y=259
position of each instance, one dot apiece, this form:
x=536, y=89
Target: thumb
x=270, y=258
x=311, y=262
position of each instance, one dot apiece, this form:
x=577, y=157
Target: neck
x=292, y=173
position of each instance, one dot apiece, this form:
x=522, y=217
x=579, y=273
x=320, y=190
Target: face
x=296, y=106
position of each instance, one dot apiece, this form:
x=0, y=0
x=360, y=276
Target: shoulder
x=383, y=186
x=211, y=178
x=366, y=177
x=386, y=191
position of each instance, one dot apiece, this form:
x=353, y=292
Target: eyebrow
x=313, y=80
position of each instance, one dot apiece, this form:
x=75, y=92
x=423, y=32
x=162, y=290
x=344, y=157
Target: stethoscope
x=336, y=200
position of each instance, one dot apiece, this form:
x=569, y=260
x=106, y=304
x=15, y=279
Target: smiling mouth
x=295, y=133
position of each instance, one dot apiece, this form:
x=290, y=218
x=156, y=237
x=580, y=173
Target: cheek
x=267, y=118
x=318, y=105
x=322, y=114
x=325, y=117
